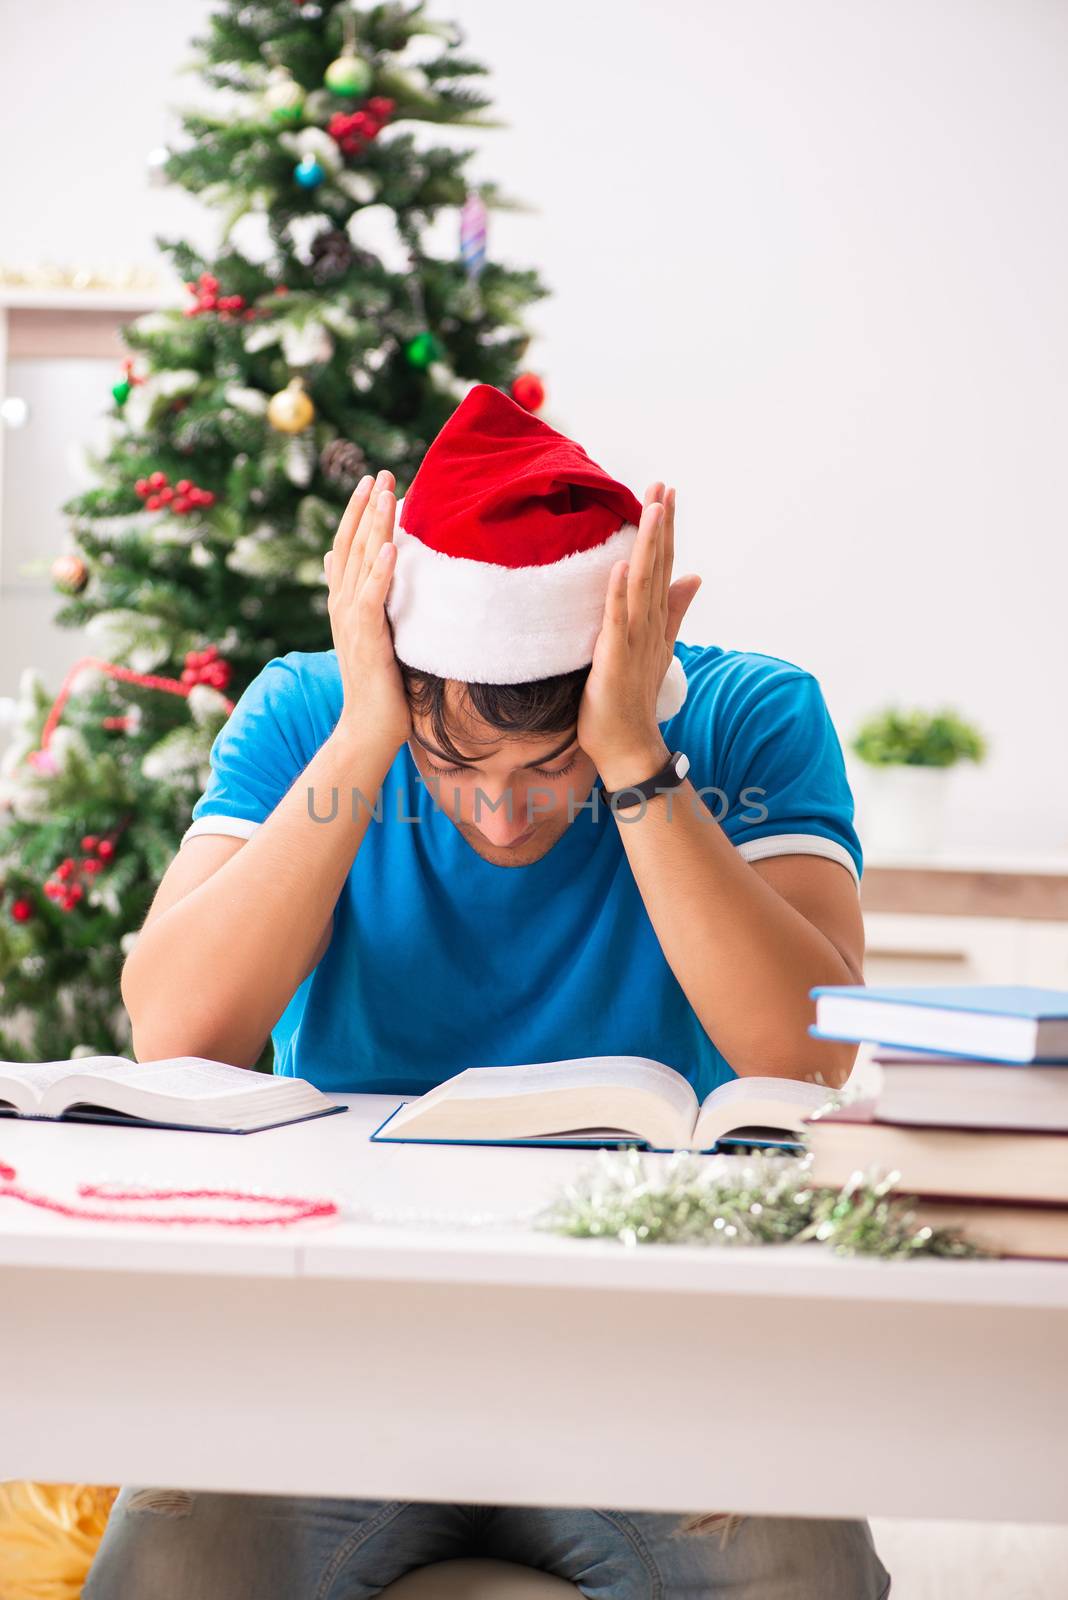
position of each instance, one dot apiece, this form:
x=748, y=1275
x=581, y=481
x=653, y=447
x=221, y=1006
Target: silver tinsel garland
x=742, y=1200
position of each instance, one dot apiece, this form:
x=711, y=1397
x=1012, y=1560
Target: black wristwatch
x=670, y=776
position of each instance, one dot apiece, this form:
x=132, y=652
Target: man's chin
x=520, y=852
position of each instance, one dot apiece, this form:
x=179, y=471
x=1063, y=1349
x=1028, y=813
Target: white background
x=809, y=262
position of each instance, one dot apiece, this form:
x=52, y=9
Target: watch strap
x=669, y=776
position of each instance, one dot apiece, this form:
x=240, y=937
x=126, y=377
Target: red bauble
x=528, y=391
x=21, y=911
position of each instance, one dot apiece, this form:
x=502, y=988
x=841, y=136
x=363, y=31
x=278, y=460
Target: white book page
x=187, y=1079
x=749, y=1101
x=29, y=1081
x=576, y=1072
x=633, y=1080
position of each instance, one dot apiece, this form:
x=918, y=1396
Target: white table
x=499, y=1365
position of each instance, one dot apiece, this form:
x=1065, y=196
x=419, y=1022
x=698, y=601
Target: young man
x=404, y=864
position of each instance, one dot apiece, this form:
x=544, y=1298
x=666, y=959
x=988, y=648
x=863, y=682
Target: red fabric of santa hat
x=505, y=543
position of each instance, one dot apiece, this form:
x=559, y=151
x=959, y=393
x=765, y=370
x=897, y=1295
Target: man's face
x=510, y=799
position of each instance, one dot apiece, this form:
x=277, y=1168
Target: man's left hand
x=643, y=612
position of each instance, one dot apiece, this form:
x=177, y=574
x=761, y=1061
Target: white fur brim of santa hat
x=481, y=623
x=497, y=480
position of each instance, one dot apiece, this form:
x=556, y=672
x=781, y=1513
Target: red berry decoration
x=205, y=666
x=207, y=299
x=179, y=498
x=353, y=131
x=21, y=911
x=67, y=885
x=528, y=391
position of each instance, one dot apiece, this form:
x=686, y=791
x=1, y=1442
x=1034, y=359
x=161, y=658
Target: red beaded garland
x=291, y=1208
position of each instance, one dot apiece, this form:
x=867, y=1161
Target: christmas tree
x=241, y=423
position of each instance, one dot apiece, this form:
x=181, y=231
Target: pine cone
x=332, y=254
x=343, y=463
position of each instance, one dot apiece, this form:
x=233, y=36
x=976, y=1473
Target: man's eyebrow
x=471, y=760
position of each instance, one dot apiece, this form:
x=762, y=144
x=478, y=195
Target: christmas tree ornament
x=180, y=498
x=540, y=602
x=69, y=573
x=349, y=75
x=528, y=391
x=291, y=410
x=309, y=172
x=283, y=96
x=207, y=299
x=21, y=910
x=473, y=235
x=423, y=350
x=353, y=131
x=343, y=464
x=122, y=390
x=332, y=254
x=206, y=666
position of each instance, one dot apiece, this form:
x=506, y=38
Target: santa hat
x=505, y=543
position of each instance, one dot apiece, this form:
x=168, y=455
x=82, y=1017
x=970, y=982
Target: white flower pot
x=903, y=810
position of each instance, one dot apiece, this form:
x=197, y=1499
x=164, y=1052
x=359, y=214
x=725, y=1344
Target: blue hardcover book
x=991, y=1022
x=595, y=1102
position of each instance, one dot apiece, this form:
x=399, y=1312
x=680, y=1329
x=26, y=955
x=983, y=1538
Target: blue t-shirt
x=440, y=960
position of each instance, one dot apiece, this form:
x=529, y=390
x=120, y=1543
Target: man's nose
x=499, y=812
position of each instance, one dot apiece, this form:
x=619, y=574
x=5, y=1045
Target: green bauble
x=423, y=350
x=283, y=97
x=349, y=75
x=121, y=391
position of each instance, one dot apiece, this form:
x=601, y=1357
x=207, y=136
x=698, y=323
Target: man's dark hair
x=548, y=705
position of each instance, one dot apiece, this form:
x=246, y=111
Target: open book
x=184, y=1092
x=603, y=1100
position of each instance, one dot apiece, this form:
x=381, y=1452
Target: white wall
x=810, y=263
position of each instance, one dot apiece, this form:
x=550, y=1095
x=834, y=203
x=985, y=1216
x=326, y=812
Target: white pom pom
x=672, y=694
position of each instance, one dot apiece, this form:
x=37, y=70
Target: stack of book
x=968, y=1107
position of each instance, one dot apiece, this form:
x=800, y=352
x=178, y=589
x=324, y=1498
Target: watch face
x=682, y=765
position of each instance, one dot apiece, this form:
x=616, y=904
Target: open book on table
x=182, y=1092
x=599, y=1100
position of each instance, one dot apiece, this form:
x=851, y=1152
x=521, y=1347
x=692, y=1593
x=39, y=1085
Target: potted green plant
x=908, y=755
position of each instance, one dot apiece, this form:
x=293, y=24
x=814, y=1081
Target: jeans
x=170, y=1544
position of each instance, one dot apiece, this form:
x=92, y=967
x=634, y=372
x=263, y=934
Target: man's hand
x=643, y=612
x=359, y=570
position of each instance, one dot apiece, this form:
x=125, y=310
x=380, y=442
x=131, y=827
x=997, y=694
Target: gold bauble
x=291, y=409
x=69, y=573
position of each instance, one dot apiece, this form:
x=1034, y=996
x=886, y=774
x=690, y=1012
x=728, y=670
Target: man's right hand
x=359, y=570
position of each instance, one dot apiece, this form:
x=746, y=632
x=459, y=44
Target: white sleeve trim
x=798, y=844
x=236, y=827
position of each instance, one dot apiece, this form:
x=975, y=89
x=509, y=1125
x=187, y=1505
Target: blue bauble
x=309, y=173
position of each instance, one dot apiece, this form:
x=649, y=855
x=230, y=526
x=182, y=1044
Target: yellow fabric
x=49, y=1534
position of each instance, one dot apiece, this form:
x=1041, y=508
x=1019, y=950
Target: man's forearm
x=744, y=957
x=216, y=970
